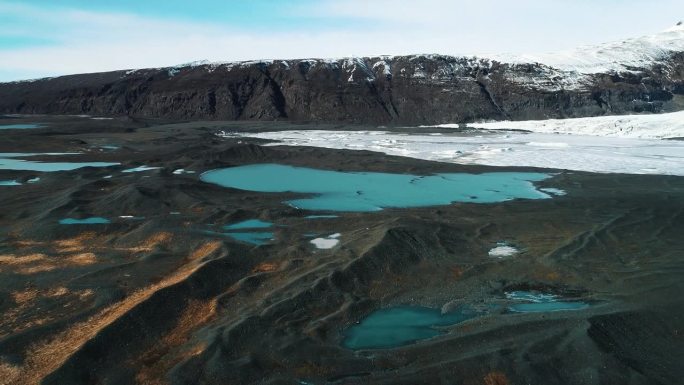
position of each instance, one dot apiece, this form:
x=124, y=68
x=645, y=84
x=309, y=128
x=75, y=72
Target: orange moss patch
x=22, y=316
x=36, y=269
x=83, y=259
x=45, y=356
x=265, y=268
x=457, y=271
x=37, y=263
x=14, y=260
x=543, y=273
x=162, y=356
x=309, y=369
x=76, y=244
x=205, y=250
x=22, y=297
x=57, y=292
x=22, y=244
x=495, y=378
x=155, y=240
x=9, y=374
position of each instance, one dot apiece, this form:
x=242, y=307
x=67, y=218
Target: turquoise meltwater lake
x=18, y=126
x=253, y=238
x=12, y=161
x=249, y=224
x=247, y=233
x=372, y=191
x=398, y=326
x=85, y=221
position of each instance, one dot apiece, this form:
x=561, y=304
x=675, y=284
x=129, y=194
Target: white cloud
x=96, y=41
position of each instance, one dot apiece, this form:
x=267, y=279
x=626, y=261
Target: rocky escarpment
x=423, y=89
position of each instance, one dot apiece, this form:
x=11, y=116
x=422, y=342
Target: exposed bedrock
x=424, y=89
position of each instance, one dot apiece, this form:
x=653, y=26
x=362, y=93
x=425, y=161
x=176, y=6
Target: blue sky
x=48, y=37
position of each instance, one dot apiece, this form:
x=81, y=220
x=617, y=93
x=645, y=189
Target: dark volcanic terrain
x=422, y=89
x=159, y=299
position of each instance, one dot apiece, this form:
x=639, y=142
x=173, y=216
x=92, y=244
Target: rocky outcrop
x=423, y=89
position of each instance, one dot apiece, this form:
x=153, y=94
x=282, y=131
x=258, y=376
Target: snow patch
x=503, y=251
x=553, y=191
x=328, y=242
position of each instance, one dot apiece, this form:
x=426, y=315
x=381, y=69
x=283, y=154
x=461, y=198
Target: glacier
x=619, y=149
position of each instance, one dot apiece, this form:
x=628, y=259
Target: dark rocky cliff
x=424, y=89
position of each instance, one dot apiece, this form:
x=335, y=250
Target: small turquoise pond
x=251, y=237
x=370, y=191
x=18, y=126
x=249, y=224
x=9, y=183
x=398, y=326
x=254, y=238
x=10, y=161
x=532, y=302
x=86, y=221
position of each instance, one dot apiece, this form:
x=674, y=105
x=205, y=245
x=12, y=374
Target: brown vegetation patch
x=150, y=243
x=21, y=316
x=9, y=374
x=76, y=244
x=22, y=297
x=495, y=378
x=162, y=357
x=38, y=263
x=265, y=267
x=45, y=356
x=83, y=259
x=14, y=260
x=22, y=244
x=205, y=250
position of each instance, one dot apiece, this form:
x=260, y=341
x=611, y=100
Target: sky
x=40, y=38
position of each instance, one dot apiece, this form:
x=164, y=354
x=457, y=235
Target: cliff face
x=425, y=89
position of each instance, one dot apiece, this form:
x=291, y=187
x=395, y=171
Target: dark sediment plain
x=161, y=294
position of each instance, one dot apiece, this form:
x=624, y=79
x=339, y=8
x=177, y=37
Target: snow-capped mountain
x=640, y=75
x=619, y=56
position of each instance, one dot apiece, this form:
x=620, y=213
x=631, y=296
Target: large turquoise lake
x=372, y=191
x=398, y=326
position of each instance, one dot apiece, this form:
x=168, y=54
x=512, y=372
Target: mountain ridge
x=411, y=89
